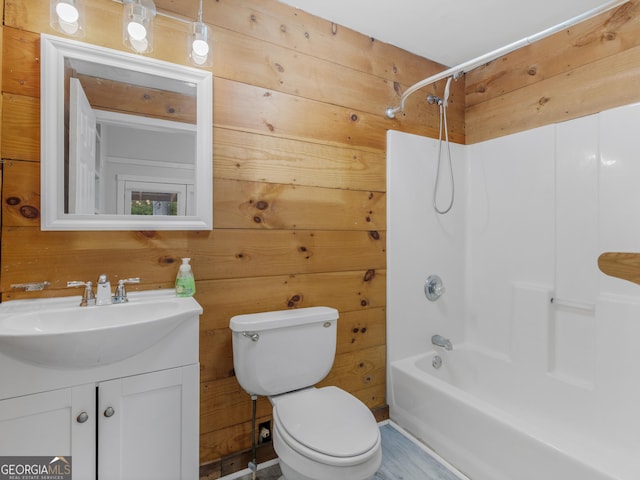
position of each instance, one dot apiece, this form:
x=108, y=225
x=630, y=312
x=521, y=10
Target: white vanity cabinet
x=146, y=425
x=135, y=417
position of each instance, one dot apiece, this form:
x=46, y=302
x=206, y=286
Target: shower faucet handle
x=434, y=288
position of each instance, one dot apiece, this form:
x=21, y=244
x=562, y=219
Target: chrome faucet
x=103, y=291
x=440, y=341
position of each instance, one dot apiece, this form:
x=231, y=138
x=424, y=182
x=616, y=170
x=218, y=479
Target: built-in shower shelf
x=622, y=265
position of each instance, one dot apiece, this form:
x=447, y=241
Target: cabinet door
x=57, y=423
x=148, y=426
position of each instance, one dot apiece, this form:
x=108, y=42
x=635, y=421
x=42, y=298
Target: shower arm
x=469, y=65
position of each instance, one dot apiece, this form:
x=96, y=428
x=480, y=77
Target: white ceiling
x=449, y=32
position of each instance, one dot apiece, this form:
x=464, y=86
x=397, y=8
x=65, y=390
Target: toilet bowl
x=318, y=433
x=325, y=434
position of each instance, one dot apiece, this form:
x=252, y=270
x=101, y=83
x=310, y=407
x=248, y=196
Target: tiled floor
x=402, y=459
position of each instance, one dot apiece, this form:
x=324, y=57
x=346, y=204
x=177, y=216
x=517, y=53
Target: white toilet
x=318, y=433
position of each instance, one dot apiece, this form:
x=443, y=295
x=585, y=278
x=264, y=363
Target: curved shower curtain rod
x=458, y=70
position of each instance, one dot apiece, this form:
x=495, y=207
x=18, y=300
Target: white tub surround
x=544, y=344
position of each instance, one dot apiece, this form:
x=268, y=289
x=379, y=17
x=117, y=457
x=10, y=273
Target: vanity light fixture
x=137, y=25
x=199, y=44
x=67, y=16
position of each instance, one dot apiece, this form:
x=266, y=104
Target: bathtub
x=494, y=422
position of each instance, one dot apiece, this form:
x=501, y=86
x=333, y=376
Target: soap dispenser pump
x=185, y=283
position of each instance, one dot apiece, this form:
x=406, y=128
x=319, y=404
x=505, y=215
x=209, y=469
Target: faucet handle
x=434, y=288
x=88, y=297
x=120, y=295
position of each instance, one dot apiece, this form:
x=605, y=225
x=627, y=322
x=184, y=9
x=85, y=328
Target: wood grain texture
x=223, y=404
x=245, y=156
x=21, y=62
x=277, y=206
x=589, y=41
x=217, y=255
x=21, y=194
x=280, y=24
x=621, y=265
x=584, y=70
x=114, y=96
x=603, y=84
x=20, y=127
x=347, y=291
x=255, y=109
x=235, y=438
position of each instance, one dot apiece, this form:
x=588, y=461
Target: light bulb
x=200, y=48
x=67, y=12
x=136, y=31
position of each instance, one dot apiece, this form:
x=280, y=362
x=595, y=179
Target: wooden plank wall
x=588, y=68
x=299, y=186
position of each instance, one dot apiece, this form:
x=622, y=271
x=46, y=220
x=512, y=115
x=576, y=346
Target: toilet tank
x=282, y=351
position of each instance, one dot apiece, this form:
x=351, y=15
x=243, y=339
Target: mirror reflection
x=132, y=148
x=131, y=145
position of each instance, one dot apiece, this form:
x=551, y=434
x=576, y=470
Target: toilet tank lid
x=281, y=319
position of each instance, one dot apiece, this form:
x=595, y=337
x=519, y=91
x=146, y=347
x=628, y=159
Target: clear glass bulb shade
x=137, y=25
x=66, y=16
x=200, y=45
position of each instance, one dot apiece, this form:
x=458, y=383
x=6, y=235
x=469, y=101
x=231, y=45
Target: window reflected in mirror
x=153, y=203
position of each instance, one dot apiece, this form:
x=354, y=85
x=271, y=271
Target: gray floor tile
x=402, y=459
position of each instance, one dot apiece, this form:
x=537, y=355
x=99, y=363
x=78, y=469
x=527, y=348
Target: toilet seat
x=327, y=425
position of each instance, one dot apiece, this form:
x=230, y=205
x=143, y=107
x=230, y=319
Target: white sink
x=59, y=333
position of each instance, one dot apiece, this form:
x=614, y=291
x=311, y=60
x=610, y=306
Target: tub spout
x=440, y=341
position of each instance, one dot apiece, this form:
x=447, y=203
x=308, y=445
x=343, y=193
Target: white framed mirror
x=126, y=141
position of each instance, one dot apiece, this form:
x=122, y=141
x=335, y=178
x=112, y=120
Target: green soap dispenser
x=185, y=283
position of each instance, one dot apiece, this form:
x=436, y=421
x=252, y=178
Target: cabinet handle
x=109, y=412
x=83, y=417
